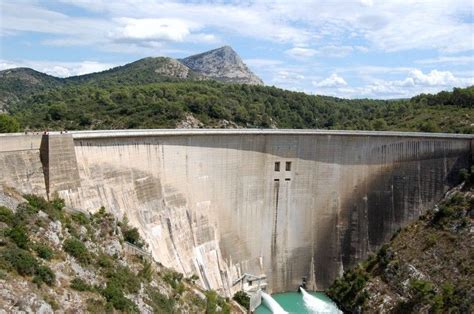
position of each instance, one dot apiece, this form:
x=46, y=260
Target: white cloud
x=325, y=51
x=362, y=49
x=300, y=52
x=336, y=51
x=59, y=69
x=154, y=29
x=414, y=83
x=448, y=59
x=434, y=78
x=368, y=3
x=391, y=25
x=332, y=81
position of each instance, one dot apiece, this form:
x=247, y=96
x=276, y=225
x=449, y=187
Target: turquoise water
x=293, y=302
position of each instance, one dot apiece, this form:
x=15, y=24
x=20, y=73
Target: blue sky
x=354, y=49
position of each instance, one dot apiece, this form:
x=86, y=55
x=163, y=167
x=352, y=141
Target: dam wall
x=220, y=203
x=20, y=163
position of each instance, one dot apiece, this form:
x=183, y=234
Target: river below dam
x=295, y=302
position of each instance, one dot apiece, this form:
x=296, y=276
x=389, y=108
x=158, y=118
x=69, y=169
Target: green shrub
x=147, y=271
x=19, y=236
x=77, y=249
x=44, y=274
x=37, y=202
x=81, y=218
x=80, y=285
x=113, y=293
x=22, y=261
x=173, y=278
x=242, y=298
x=8, y=124
x=105, y=261
x=51, y=301
x=213, y=301
x=100, y=214
x=24, y=213
x=58, y=203
x=453, y=208
x=6, y=215
x=422, y=291
x=55, y=210
x=347, y=290
x=125, y=278
x=159, y=302
x=44, y=251
x=133, y=236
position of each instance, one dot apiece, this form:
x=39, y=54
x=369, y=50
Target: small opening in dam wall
x=277, y=166
x=288, y=166
x=276, y=180
x=287, y=179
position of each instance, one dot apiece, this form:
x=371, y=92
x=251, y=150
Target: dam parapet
x=221, y=203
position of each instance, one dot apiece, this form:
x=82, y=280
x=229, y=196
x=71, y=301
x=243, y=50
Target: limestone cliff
x=222, y=64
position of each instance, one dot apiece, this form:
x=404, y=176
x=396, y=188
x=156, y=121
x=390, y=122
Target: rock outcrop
x=222, y=64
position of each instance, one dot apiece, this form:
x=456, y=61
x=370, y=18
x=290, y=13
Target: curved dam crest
x=220, y=203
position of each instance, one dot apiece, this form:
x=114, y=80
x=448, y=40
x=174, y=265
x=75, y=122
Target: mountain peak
x=222, y=64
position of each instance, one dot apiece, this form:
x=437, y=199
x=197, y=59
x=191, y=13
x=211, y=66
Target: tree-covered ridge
x=163, y=105
x=143, y=71
x=16, y=84
x=463, y=97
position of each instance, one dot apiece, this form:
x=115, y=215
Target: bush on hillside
x=19, y=236
x=8, y=124
x=21, y=260
x=6, y=215
x=44, y=274
x=80, y=285
x=77, y=249
x=242, y=298
x=43, y=251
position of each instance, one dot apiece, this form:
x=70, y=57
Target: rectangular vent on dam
x=288, y=166
x=277, y=166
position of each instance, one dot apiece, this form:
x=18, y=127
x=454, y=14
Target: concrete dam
x=286, y=204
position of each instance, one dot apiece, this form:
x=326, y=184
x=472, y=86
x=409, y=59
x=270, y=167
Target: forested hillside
x=163, y=105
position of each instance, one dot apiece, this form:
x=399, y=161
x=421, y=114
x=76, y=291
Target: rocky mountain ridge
x=222, y=64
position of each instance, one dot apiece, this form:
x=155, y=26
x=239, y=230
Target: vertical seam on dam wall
x=44, y=157
x=275, y=223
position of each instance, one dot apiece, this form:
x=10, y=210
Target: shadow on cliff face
x=378, y=208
